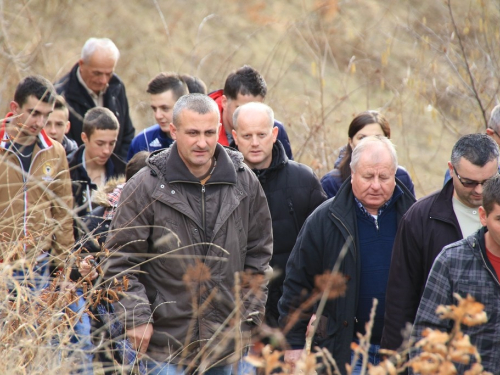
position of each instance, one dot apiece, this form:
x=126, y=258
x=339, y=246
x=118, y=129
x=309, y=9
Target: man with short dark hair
x=164, y=89
x=292, y=189
x=93, y=83
x=470, y=266
x=243, y=86
x=201, y=212
x=35, y=187
x=364, y=216
x=435, y=221
x=194, y=84
x=58, y=126
x=94, y=162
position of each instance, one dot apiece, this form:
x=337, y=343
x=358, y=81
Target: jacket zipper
x=203, y=213
x=292, y=212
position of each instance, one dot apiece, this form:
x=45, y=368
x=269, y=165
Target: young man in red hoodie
x=243, y=86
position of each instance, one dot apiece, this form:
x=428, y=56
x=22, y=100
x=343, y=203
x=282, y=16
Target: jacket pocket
x=326, y=330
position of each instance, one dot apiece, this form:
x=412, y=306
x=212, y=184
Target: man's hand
x=85, y=268
x=292, y=356
x=139, y=337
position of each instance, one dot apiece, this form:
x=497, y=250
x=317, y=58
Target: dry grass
x=324, y=61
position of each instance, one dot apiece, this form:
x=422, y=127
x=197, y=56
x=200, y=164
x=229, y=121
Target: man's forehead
x=34, y=104
x=247, y=98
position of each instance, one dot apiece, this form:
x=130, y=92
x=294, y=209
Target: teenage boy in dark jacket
x=94, y=162
x=432, y=223
x=292, y=189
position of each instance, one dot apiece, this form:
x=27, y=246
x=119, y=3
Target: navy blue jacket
x=150, y=139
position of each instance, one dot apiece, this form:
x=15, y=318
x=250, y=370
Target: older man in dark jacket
x=93, y=83
x=202, y=215
x=364, y=215
x=292, y=189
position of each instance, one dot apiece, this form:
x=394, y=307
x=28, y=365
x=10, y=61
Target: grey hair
x=478, y=149
x=198, y=103
x=494, y=122
x=254, y=107
x=92, y=44
x=366, y=143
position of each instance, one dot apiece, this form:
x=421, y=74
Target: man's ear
x=450, y=167
x=235, y=137
x=482, y=215
x=14, y=107
x=80, y=62
x=275, y=133
x=84, y=138
x=68, y=126
x=173, y=131
x=223, y=101
x=490, y=132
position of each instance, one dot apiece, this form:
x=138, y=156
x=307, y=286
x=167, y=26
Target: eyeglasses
x=470, y=183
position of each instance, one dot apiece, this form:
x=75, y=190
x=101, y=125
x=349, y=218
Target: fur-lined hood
x=102, y=197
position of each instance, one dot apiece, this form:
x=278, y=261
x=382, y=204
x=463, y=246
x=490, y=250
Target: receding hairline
x=253, y=107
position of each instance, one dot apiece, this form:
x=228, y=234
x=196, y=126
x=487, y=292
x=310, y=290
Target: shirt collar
x=93, y=95
x=397, y=192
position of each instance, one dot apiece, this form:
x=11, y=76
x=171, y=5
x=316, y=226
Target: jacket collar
x=478, y=246
x=172, y=168
x=43, y=140
x=442, y=209
x=279, y=160
x=77, y=163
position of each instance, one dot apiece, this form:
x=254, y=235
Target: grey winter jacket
x=166, y=225
x=463, y=267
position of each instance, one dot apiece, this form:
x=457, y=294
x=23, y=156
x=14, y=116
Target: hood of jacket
x=169, y=166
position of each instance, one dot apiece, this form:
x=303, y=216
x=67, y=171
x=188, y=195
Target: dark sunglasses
x=470, y=183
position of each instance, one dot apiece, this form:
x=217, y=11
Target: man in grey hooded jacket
x=193, y=234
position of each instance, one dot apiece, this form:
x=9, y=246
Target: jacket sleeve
x=438, y=291
x=127, y=241
x=331, y=183
x=406, y=280
x=259, y=251
x=62, y=209
x=304, y=263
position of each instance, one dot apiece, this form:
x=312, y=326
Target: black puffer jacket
x=79, y=102
x=293, y=192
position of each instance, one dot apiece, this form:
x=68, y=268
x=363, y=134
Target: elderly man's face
x=97, y=72
x=373, y=181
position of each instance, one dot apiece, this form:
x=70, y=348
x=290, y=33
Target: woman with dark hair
x=363, y=125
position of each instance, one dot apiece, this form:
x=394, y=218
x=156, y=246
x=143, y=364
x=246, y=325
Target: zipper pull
x=203, y=189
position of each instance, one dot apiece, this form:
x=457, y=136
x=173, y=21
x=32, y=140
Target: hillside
x=431, y=67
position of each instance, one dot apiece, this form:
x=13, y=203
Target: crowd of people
x=212, y=221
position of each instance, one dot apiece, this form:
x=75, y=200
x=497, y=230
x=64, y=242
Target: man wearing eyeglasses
x=493, y=131
x=433, y=222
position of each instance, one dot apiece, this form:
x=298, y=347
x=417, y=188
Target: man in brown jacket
x=35, y=188
x=193, y=234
